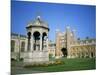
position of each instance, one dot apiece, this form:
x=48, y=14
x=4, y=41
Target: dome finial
x=38, y=17
x=38, y=14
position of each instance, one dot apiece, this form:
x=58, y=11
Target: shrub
x=57, y=62
x=51, y=63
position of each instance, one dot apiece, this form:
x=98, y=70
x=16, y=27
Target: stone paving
x=17, y=68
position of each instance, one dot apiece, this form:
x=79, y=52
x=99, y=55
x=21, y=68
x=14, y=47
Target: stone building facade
x=51, y=48
x=18, y=46
x=76, y=48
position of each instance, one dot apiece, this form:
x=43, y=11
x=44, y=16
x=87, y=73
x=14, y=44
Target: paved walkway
x=17, y=68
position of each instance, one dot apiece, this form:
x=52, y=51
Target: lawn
x=69, y=65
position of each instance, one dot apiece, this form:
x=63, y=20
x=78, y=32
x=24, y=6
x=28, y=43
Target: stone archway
x=64, y=51
x=92, y=54
x=44, y=37
x=29, y=37
x=36, y=36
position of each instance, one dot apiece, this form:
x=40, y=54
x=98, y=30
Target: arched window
x=22, y=46
x=12, y=45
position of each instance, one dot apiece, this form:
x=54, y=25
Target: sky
x=81, y=18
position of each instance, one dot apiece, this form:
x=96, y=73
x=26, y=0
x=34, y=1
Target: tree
x=64, y=51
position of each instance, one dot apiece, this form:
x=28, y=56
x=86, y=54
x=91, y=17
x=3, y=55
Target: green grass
x=69, y=65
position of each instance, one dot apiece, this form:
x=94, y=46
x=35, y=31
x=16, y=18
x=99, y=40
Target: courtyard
x=69, y=65
x=48, y=44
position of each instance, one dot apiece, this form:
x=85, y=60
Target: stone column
x=41, y=42
x=28, y=44
x=31, y=40
x=33, y=43
x=47, y=42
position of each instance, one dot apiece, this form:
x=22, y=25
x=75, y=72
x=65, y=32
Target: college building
x=76, y=47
